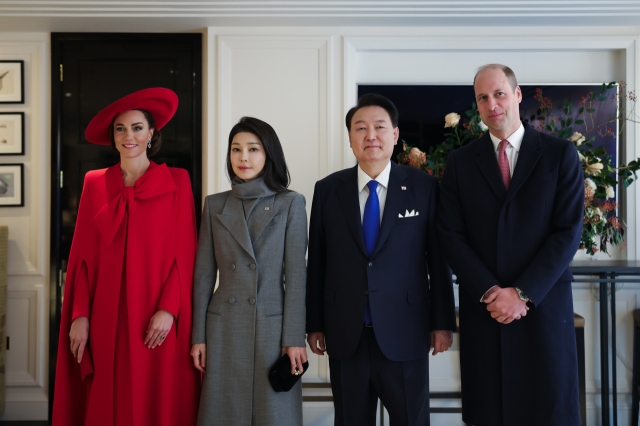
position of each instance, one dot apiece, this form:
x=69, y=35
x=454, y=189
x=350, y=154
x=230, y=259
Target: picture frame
x=11, y=82
x=11, y=185
x=11, y=133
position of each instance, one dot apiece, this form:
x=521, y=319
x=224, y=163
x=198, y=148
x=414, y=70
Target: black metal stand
x=608, y=273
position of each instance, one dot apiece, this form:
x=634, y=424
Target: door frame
x=57, y=41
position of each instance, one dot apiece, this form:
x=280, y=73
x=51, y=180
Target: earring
x=149, y=144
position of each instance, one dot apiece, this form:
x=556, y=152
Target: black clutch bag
x=280, y=375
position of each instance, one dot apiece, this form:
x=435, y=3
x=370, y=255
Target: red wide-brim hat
x=161, y=103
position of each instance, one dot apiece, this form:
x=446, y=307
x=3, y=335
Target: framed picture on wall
x=11, y=185
x=11, y=82
x=11, y=133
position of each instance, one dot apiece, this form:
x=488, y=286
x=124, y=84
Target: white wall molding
x=28, y=233
x=292, y=94
x=26, y=330
x=93, y=15
x=29, y=229
x=313, y=8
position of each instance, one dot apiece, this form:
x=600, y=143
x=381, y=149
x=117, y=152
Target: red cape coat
x=148, y=231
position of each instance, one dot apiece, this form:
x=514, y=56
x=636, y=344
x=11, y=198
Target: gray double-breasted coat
x=258, y=307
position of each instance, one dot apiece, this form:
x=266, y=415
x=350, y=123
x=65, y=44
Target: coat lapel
x=488, y=164
x=395, y=202
x=262, y=214
x=348, y=195
x=232, y=217
x=527, y=159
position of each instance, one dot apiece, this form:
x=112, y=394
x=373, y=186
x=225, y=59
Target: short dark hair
x=275, y=172
x=156, y=139
x=508, y=72
x=373, y=99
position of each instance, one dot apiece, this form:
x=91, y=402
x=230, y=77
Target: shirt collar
x=364, y=178
x=515, y=140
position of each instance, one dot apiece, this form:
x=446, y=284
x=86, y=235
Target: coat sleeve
x=316, y=266
x=442, y=303
x=177, y=292
x=81, y=299
x=204, y=276
x=564, y=231
x=466, y=264
x=295, y=273
x=69, y=389
x=170, y=298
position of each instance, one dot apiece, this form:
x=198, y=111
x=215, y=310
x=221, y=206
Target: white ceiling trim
x=318, y=8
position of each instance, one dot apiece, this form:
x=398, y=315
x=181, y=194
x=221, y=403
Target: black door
x=89, y=71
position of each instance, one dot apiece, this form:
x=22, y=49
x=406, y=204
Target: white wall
x=28, y=286
x=302, y=81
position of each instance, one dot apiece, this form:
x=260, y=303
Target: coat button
x=252, y=266
x=233, y=266
x=365, y=292
x=252, y=301
x=370, y=264
x=232, y=300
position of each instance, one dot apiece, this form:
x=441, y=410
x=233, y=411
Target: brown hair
x=156, y=139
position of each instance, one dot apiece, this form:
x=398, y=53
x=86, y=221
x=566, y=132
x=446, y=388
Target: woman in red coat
x=123, y=351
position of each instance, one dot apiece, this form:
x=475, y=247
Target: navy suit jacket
x=406, y=280
x=525, y=372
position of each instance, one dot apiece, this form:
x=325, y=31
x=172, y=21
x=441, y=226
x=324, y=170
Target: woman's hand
x=297, y=355
x=78, y=335
x=199, y=354
x=159, y=326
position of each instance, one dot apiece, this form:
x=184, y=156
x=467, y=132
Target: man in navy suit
x=379, y=294
x=510, y=218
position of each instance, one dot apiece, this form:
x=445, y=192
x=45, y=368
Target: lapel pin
x=404, y=188
x=266, y=208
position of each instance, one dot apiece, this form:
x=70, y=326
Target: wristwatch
x=522, y=295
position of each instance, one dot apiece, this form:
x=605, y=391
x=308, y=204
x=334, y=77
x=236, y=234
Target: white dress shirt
x=363, y=189
x=513, y=147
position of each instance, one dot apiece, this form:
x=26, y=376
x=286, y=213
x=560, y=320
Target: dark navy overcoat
x=523, y=373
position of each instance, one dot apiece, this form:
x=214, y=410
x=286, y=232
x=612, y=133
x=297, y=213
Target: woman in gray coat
x=255, y=238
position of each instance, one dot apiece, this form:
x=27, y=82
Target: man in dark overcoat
x=379, y=293
x=510, y=217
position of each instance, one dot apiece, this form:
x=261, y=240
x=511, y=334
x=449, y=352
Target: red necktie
x=503, y=163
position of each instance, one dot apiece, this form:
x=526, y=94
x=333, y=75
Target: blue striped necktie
x=371, y=228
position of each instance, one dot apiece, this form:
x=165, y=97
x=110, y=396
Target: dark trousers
x=357, y=383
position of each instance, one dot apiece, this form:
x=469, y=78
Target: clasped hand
x=505, y=305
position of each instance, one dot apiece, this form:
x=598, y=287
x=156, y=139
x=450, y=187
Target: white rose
x=590, y=183
x=609, y=191
x=577, y=138
x=451, y=120
x=580, y=156
x=482, y=125
x=593, y=169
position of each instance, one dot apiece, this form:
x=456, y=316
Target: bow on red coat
x=110, y=217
